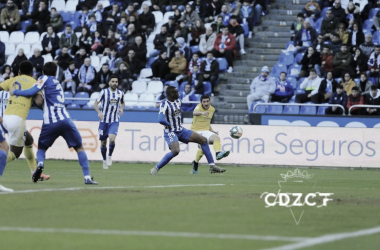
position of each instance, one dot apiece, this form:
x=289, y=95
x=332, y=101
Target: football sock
x=207, y=152
x=83, y=161
x=41, y=155
x=104, y=152
x=112, y=147
x=3, y=161
x=217, y=146
x=11, y=156
x=199, y=155
x=30, y=158
x=165, y=160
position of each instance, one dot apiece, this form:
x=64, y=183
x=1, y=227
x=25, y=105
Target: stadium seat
x=318, y=25
x=274, y=109
x=25, y=47
x=151, y=38
x=149, y=49
x=16, y=37
x=81, y=95
x=32, y=37
x=67, y=16
x=131, y=99
x=24, y=25
x=293, y=81
x=70, y=6
x=308, y=110
x=172, y=83
x=10, y=59
x=68, y=94
x=9, y=49
x=154, y=87
x=277, y=69
x=260, y=109
x=373, y=12
x=42, y=36
x=286, y=58
x=93, y=98
x=158, y=17
x=338, y=80
x=376, y=38
x=95, y=62
x=146, y=100
x=47, y=58
x=145, y=73
x=291, y=110
x=367, y=25
x=207, y=87
x=194, y=49
x=4, y=36
x=138, y=87
x=35, y=46
x=357, y=81
x=321, y=110
x=373, y=80
x=59, y=5
x=198, y=97
x=299, y=57
x=166, y=16
x=107, y=3
x=72, y=106
x=294, y=70
x=222, y=64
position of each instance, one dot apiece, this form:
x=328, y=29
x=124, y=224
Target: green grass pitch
x=130, y=209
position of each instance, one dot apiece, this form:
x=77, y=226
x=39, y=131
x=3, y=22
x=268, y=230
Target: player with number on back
x=111, y=99
x=57, y=121
x=170, y=117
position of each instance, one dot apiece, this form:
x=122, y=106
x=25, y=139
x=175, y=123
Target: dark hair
x=204, y=97
x=170, y=89
x=72, y=62
x=339, y=86
x=373, y=87
x=26, y=68
x=300, y=14
x=313, y=70
x=284, y=73
x=104, y=64
x=355, y=88
x=377, y=46
x=49, y=25
x=53, y=8
x=69, y=25
x=364, y=73
x=113, y=76
x=5, y=67
x=49, y=69
x=84, y=8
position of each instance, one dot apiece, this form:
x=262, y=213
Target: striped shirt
x=172, y=112
x=110, y=102
x=4, y=97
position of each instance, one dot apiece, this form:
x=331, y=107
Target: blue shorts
x=106, y=129
x=182, y=136
x=66, y=129
x=2, y=136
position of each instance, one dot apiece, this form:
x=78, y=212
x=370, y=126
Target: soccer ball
x=236, y=132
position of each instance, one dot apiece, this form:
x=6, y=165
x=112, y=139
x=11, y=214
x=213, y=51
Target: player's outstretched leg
x=215, y=141
x=41, y=155
x=83, y=161
x=31, y=160
x=3, y=162
x=174, y=147
x=198, y=157
x=103, y=150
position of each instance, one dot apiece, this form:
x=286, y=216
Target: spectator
x=71, y=78
x=284, y=90
x=355, y=99
x=311, y=87
x=215, y=7
x=339, y=97
x=122, y=28
x=312, y=10
x=296, y=25
x=372, y=98
x=112, y=59
x=140, y=50
x=99, y=13
x=177, y=66
x=238, y=32
x=182, y=46
x=359, y=62
x=319, y=43
x=113, y=16
x=86, y=76
x=196, y=32
x=304, y=37
x=89, y=4
x=368, y=46
x=352, y=14
x=259, y=6
x=159, y=5
x=64, y=58
x=28, y=7
x=374, y=62
x=196, y=80
x=261, y=87
x=131, y=34
x=41, y=18
x=124, y=75
x=348, y=83
x=50, y=42
x=364, y=85
x=85, y=41
x=97, y=44
x=56, y=20
x=10, y=17
x=136, y=23
x=18, y=59
x=130, y=11
x=102, y=78
x=111, y=40
x=376, y=20
x=356, y=36
x=147, y=20
x=160, y=67
x=2, y=53
x=190, y=16
x=233, y=7
x=171, y=25
x=38, y=61
x=134, y=64
x=310, y=59
x=176, y=4
x=169, y=47
x=92, y=24
x=177, y=15
x=329, y=24
x=216, y=26
x=6, y=72
x=181, y=31
x=207, y=41
x=342, y=61
x=343, y=33
x=68, y=39
x=210, y=70
x=247, y=14
x=335, y=44
x=83, y=19
x=325, y=90
x=80, y=57
x=159, y=41
x=225, y=46
x=326, y=62
x=194, y=60
x=122, y=47
x=338, y=11
x=187, y=96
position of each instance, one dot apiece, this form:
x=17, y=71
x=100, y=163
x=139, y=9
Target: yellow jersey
x=201, y=122
x=19, y=105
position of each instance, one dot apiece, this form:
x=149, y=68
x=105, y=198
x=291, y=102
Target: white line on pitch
x=116, y=187
x=327, y=238
x=154, y=233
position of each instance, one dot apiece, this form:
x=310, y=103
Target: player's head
x=113, y=82
x=205, y=101
x=172, y=93
x=26, y=68
x=49, y=69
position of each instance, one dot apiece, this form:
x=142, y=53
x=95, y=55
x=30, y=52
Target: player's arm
x=96, y=107
x=196, y=112
x=27, y=92
x=39, y=100
x=122, y=106
x=161, y=116
x=216, y=132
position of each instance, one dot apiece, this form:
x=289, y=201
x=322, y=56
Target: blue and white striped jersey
x=54, y=99
x=110, y=102
x=4, y=97
x=172, y=112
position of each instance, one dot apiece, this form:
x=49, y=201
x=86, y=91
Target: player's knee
x=103, y=143
x=175, y=151
x=203, y=140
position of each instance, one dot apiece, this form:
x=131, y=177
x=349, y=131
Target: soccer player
x=4, y=147
x=170, y=117
x=203, y=113
x=15, y=117
x=57, y=121
x=111, y=99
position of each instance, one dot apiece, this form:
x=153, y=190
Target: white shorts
x=16, y=130
x=206, y=134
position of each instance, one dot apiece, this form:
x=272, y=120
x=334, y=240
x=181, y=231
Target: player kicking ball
x=57, y=121
x=111, y=99
x=4, y=147
x=170, y=117
x=203, y=113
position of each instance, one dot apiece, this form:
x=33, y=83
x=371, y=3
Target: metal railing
x=299, y=104
x=91, y=99
x=362, y=106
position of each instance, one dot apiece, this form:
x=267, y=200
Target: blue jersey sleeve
x=161, y=115
x=27, y=92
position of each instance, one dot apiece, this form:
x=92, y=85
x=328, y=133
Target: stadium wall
x=259, y=145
